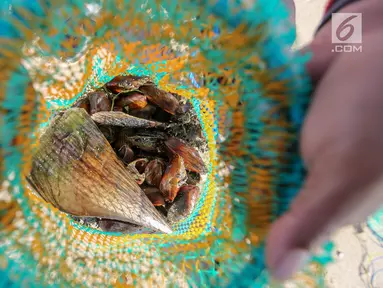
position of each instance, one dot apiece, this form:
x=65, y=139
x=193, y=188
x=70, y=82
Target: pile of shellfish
x=158, y=140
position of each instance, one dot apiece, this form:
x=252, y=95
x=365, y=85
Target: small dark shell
x=140, y=164
x=156, y=198
x=121, y=139
x=184, y=203
x=162, y=99
x=118, y=226
x=149, y=190
x=191, y=190
x=126, y=154
x=190, y=155
x=109, y=133
x=83, y=103
x=137, y=170
x=126, y=83
x=145, y=113
x=173, y=179
x=99, y=102
x=132, y=100
x=154, y=172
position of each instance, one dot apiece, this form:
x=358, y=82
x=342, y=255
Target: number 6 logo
x=346, y=28
x=343, y=26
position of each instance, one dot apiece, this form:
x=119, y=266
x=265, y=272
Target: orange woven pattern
x=62, y=51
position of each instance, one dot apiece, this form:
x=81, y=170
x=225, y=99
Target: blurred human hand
x=341, y=144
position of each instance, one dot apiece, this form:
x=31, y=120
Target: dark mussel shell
x=155, y=196
x=125, y=153
x=184, y=203
x=189, y=154
x=145, y=113
x=174, y=177
x=154, y=172
x=121, y=145
x=157, y=199
x=161, y=98
x=148, y=189
x=132, y=100
x=126, y=83
x=118, y=226
x=83, y=102
x=99, y=101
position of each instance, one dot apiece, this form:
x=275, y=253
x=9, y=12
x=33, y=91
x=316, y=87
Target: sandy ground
x=359, y=259
x=357, y=250
x=308, y=16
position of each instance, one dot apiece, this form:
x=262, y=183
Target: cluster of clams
x=158, y=137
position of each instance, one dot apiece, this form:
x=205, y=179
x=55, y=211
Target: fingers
x=322, y=55
x=322, y=46
x=328, y=200
x=341, y=145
